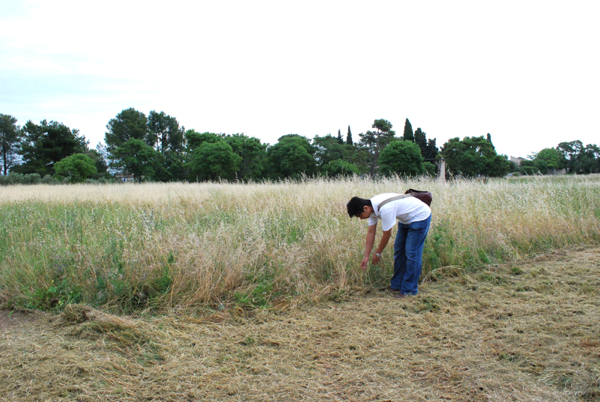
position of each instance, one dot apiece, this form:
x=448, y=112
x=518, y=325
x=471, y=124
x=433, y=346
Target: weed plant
x=160, y=246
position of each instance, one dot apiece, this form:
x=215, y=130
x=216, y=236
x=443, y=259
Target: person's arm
x=385, y=238
x=369, y=245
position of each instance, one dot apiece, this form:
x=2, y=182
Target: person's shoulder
x=382, y=197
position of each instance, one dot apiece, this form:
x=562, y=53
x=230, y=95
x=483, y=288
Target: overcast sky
x=528, y=72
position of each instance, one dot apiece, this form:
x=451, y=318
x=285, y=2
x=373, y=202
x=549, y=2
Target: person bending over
x=414, y=218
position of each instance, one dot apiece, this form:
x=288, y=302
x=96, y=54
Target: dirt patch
x=513, y=332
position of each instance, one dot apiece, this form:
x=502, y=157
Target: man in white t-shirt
x=414, y=218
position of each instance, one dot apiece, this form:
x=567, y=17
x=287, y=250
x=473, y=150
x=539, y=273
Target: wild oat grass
x=182, y=245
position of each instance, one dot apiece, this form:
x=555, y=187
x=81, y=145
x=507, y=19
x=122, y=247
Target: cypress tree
x=349, y=137
x=339, y=137
x=408, y=132
x=421, y=140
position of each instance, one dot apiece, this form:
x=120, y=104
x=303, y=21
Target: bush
x=430, y=169
x=77, y=168
x=19, y=178
x=340, y=167
x=49, y=180
x=32, y=178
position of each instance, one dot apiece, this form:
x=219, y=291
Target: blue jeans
x=408, y=255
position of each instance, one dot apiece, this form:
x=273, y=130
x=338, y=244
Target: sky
x=527, y=72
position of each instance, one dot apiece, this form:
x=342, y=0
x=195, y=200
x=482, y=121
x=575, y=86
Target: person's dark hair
x=356, y=206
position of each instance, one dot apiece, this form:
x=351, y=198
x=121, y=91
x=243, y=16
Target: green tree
x=590, y=159
x=528, y=167
x=164, y=132
x=10, y=141
x=195, y=139
x=130, y=124
x=137, y=158
x=327, y=149
x=401, y=157
x=167, y=137
x=571, y=155
x=408, y=131
x=214, y=161
x=339, y=137
x=253, y=154
x=291, y=156
x=47, y=143
x=431, y=151
x=375, y=141
x=579, y=159
x=474, y=156
x=548, y=159
x=349, y=137
x=77, y=167
x=513, y=167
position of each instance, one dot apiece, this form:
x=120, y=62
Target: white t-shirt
x=406, y=210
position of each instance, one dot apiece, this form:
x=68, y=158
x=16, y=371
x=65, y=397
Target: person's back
x=407, y=210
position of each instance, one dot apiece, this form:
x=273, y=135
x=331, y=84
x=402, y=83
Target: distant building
x=124, y=176
x=516, y=160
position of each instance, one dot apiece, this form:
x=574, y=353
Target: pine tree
x=408, y=132
x=10, y=136
x=375, y=141
x=349, y=137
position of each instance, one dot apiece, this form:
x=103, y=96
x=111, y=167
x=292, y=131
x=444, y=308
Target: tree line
x=155, y=147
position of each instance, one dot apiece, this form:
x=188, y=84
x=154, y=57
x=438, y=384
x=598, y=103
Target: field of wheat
x=212, y=245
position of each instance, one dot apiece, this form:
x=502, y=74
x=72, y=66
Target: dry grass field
x=163, y=246
x=514, y=332
x=222, y=291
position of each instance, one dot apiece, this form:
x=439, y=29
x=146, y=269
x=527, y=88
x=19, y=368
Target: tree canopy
x=45, y=144
x=77, y=168
x=214, y=161
x=130, y=124
x=291, y=157
x=401, y=157
x=138, y=158
x=253, y=156
x=474, y=156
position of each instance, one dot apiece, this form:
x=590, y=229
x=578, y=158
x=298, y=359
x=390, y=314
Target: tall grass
x=182, y=245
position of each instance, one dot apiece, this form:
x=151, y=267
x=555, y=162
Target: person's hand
x=364, y=263
x=375, y=259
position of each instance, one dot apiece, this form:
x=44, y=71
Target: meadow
x=157, y=247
